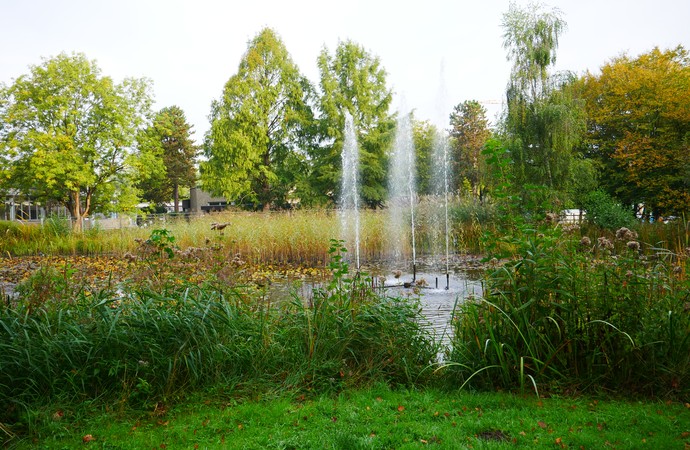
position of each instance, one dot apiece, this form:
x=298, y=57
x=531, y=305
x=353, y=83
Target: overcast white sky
x=189, y=48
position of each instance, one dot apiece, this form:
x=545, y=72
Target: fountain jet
x=402, y=186
x=348, y=205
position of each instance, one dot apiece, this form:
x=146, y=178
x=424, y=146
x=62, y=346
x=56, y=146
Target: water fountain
x=348, y=205
x=440, y=190
x=402, y=191
x=438, y=303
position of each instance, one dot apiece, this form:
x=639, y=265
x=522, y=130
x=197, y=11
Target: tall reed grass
x=294, y=237
x=578, y=313
x=135, y=345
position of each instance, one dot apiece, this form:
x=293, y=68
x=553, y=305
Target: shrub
x=604, y=211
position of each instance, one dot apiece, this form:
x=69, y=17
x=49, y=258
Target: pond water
x=437, y=293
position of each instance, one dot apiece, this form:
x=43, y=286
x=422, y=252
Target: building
x=21, y=207
x=201, y=201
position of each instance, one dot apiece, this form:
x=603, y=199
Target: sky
x=437, y=53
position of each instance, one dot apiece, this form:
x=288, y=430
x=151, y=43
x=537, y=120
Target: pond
x=437, y=293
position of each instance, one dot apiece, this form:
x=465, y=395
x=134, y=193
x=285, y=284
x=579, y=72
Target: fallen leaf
x=88, y=438
x=542, y=424
x=401, y=408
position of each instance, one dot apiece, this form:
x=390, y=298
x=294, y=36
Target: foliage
x=639, y=128
x=9, y=229
x=353, y=80
x=69, y=132
x=350, y=329
x=531, y=38
x=424, y=135
x=259, y=128
x=48, y=286
x=162, y=241
x=137, y=345
x=605, y=212
x=500, y=176
x=170, y=156
x=469, y=131
x=545, y=118
x=58, y=226
x=578, y=314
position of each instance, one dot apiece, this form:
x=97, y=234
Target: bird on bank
x=219, y=226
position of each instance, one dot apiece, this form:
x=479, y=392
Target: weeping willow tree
x=545, y=118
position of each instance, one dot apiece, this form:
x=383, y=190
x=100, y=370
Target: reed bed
x=578, y=313
x=292, y=237
x=136, y=345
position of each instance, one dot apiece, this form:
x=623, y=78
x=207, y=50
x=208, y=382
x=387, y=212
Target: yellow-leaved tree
x=639, y=128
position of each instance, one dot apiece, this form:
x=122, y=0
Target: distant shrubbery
x=604, y=211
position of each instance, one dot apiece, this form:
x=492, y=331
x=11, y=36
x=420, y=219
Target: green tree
x=259, y=128
x=424, y=136
x=639, y=129
x=469, y=131
x=352, y=80
x=545, y=119
x=68, y=133
x=172, y=156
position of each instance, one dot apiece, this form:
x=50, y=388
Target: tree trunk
x=74, y=207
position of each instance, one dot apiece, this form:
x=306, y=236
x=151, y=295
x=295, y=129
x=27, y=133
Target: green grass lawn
x=376, y=418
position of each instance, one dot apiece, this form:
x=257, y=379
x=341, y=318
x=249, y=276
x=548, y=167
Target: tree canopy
x=639, y=128
x=469, y=131
x=255, y=147
x=171, y=156
x=352, y=80
x=68, y=133
x=545, y=120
